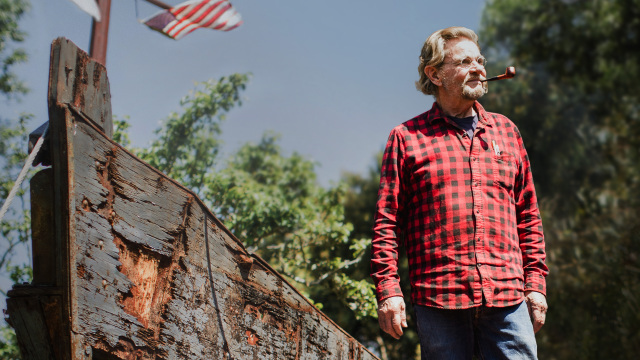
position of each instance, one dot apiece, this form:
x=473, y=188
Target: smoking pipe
x=508, y=74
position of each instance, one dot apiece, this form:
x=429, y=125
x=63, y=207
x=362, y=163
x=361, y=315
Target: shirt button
x=477, y=211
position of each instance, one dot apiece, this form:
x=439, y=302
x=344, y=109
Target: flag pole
x=100, y=30
x=159, y=4
x=100, y=33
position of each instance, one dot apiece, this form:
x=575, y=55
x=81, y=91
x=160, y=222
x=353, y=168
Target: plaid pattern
x=465, y=210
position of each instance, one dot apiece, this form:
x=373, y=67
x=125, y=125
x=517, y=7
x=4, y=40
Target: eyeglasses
x=467, y=62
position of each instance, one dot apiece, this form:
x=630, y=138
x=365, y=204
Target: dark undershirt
x=467, y=124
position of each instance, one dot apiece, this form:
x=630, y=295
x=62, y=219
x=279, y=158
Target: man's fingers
x=385, y=321
x=537, y=305
x=387, y=325
x=403, y=317
x=538, y=319
x=397, y=324
x=392, y=317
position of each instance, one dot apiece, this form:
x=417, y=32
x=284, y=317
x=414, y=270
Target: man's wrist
x=535, y=282
x=527, y=292
x=389, y=299
x=387, y=289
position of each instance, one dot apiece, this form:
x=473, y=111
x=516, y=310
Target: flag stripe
x=220, y=24
x=195, y=23
x=188, y=16
x=206, y=12
x=213, y=16
x=224, y=20
x=211, y=19
x=232, y=25
x=184, y=7
x=220, y=8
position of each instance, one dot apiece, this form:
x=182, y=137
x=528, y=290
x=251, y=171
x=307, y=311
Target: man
x=456, y=190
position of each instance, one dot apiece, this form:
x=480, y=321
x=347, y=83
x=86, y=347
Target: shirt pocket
x=505, y=170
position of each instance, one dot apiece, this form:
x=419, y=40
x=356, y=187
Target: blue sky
x=331, y=77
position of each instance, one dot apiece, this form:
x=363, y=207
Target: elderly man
x=456, y=191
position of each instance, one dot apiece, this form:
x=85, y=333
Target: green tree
x=8, y=347
x=270, y=201
x=359, y=204
x=15, y=227
x=10, y=13
x=578, y=62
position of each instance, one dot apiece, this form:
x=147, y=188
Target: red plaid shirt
x=465, y=210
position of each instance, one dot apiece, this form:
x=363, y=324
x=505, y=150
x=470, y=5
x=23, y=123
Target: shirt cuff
x=387, y=289
x=536, y=282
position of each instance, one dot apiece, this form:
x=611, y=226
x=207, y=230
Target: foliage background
x=15, y=227
x=575, y=100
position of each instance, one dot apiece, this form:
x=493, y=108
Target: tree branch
x=343, y=266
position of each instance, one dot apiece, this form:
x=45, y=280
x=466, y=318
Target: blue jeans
x=488, y=332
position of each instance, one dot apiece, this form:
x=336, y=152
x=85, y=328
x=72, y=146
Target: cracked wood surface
x=158, y=276
x=143, y=270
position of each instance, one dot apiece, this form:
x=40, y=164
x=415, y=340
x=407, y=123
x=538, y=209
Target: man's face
x=462, y=71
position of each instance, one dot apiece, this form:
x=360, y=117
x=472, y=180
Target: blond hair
x=433, y=54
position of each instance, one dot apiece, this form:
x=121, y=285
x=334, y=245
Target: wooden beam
x=79, y=84
x=42, y=236
x=144, y=270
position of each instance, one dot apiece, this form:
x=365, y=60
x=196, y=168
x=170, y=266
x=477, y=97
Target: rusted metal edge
x=219, y=223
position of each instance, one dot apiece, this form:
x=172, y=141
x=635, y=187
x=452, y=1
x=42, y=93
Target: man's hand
x=392, y=316
x=537, y=304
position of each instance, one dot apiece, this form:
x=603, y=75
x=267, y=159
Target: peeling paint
x=252, y=337
x=154, y=275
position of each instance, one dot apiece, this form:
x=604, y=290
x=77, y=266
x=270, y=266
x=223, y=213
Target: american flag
x=188, y=16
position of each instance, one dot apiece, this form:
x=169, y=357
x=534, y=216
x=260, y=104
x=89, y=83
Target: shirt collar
x=436, y=113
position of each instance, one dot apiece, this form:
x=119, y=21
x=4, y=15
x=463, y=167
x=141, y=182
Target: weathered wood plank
x=160, y=277
x=43, y=239
x=79, y=82
x=28, y=321
x=36, y=318
x=143, y=269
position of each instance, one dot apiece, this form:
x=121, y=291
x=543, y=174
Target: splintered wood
x=148, y=272
x=159, y=277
